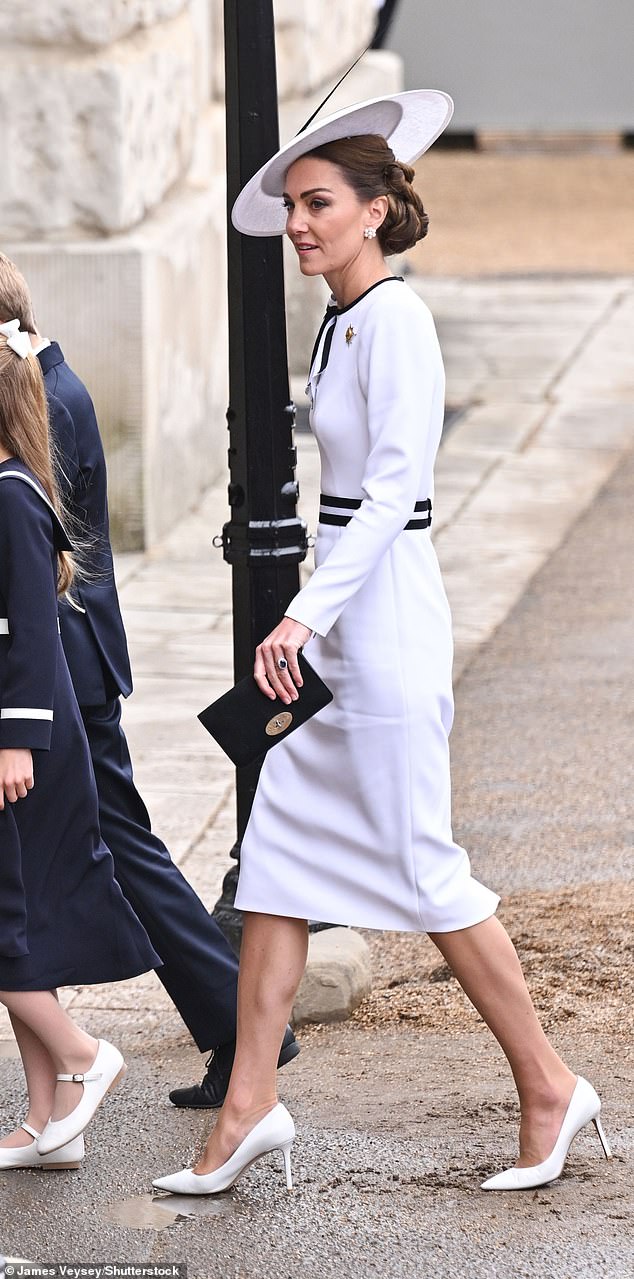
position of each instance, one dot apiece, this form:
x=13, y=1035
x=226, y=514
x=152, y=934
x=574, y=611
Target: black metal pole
x=264, y=540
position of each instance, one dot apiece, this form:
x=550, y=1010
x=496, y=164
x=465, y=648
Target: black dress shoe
x=210, y=1094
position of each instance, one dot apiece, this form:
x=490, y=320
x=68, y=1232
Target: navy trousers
x=200, y=970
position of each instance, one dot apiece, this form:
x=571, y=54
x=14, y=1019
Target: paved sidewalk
x=541, y=390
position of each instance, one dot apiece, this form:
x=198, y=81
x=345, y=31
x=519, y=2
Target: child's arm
x=16, y=775
x=28, y=586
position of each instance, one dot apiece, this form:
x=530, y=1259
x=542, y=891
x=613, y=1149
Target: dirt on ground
x=496, y=214
x=576, y=947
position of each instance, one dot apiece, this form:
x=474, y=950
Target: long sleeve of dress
x=28, y=590
x=398, y=368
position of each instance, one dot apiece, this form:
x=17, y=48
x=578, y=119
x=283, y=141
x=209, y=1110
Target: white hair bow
x=19, y=342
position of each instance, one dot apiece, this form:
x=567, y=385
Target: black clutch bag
x=246, y=723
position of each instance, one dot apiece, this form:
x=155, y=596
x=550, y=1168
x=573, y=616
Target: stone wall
x=123, y=133
x=112, y=202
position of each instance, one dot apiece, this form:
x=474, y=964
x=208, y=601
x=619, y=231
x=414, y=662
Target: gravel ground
x=577, y=952
x=497, y=214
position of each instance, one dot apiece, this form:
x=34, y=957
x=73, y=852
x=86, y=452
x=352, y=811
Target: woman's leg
x=40, y=1082
x=485, y=962
x=272, y=960
x=70, y=1049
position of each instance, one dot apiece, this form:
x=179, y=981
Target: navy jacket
x=92, y=633
x=29, y=534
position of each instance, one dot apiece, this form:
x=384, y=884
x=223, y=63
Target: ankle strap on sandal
x=31, y=1131
x=79, y=1079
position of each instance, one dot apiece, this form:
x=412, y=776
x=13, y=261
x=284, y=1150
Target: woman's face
x=326, y=219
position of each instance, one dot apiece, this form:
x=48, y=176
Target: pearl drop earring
x=369, y=233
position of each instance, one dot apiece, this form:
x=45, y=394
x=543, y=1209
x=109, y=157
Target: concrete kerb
x=337, y=977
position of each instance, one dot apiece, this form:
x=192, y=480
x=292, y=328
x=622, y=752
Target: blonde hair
x=24, y=432
x=15, y=296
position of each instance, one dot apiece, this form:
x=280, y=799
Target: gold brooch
x=350, y=334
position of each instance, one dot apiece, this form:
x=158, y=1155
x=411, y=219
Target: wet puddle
x=156, y=1212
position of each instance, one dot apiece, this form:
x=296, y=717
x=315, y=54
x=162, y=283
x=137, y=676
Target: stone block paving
x=540, y=385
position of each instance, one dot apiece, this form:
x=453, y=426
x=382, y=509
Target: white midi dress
x=351, y=821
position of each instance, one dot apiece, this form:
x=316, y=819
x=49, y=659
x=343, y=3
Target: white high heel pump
x=69, y=1156
x=584, y=1107
x=275, y=1132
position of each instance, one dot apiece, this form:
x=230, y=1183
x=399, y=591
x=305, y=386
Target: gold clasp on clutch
x=279, y=724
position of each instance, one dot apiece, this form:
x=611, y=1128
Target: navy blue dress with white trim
x=63, y=917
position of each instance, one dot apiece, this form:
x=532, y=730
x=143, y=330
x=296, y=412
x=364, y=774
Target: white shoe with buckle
x=69, y=1156
x=107, y=1069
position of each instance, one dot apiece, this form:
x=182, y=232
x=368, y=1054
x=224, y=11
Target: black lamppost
x=264, y=540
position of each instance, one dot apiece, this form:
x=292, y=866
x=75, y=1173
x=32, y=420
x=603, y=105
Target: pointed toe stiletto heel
x=286, y=1155
x=106, y=1071
x=69, y=1156
x=583, y=1108
x=275, y=1132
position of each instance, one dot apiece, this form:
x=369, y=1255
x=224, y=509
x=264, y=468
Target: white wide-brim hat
x=410, y=122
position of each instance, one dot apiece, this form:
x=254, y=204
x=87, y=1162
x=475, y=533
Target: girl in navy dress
x=63, y=918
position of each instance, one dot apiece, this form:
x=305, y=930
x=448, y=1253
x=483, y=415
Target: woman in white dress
x=351, y=822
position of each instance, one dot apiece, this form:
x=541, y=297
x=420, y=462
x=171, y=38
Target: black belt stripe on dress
x=353, y=504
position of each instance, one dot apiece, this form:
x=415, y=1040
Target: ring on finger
x=281, y=663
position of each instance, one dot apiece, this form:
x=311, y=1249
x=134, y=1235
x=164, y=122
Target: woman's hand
x=281, y=645
x=16, y=775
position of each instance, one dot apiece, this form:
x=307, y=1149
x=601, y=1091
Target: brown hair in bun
x=370, y=167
